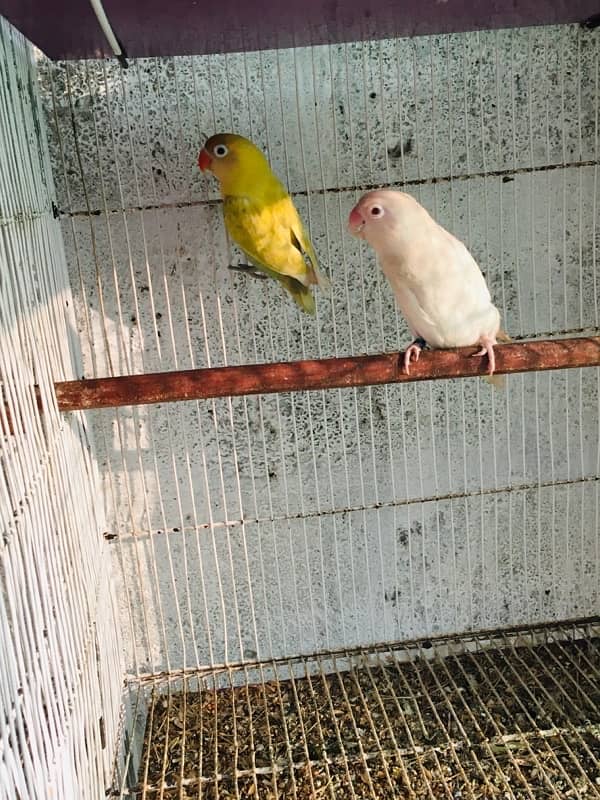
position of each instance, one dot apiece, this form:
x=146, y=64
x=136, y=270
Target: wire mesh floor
x=510, y=715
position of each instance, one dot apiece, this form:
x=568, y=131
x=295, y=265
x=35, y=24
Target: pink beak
x=355, y=221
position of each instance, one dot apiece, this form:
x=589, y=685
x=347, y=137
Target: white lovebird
x=437, y=282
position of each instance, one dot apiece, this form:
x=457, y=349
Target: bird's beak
x=356, y=222
x=204, y=160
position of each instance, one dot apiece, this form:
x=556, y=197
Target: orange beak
x=204, y=160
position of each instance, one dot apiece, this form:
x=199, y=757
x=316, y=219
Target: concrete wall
x=279, y=525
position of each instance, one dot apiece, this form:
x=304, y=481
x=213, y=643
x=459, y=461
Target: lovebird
x=437, y=283
x=260, y=216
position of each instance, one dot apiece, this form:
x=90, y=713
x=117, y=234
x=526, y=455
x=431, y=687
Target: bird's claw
x=247, y=269
x=412, y=353
x=487, y=348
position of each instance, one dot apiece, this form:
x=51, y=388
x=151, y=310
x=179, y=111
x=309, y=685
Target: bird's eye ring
x=376, y=211
x=220, y=151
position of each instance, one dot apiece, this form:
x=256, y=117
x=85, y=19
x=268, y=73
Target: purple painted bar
x=68, y=28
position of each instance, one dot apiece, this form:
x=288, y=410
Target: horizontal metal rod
x=505, y=174
x=325, y=373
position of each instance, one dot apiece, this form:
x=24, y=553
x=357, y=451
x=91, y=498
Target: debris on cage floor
x=519, y=720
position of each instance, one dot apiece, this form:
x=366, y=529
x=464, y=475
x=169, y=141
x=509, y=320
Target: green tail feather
x=302, y=294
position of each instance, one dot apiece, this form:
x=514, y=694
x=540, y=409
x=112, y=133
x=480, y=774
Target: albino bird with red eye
x=437, y=282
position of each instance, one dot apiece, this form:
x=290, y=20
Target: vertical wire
x=580, y=170
x=339, y=741
x=402, y=716
x=320, y=352
x=207, y=626
x=286, y=736
x=434, y=448
x=119, y=417
x=353, y=679
x=98, y=277
x=325, y=396
x=509, y=470
x=454, y=717
x=161, y=356
x=567, y=452
x=451, y=468
x=266, y=461
x=415, y=390
x=550, y=426
x=387, y=391
x=486, y=676
x=355, y=393
x=212, y=526
x=580, y=240
x=414, y=704
x=340, y=395
x=268, y=481
x=482, y=501
x=479, y=414
x=334, y=717
x=596, y=182
x=515, y=167
x=496, y=575
x=240, y=505
x=552, y=701
x=269, y=734
x=465, y=73
x=115, y=279
x=457, y=663
x=286, y=492
x=240, y=501
x=524, y=536
x=389, y=726
x=51, y=528
x=179, y=409
x=293, y=396
x=232, y=692
x=534, y=280
x=253, y=742
x=597, y=300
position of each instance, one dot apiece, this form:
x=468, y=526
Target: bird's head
x=232, y=159
x=379, y=213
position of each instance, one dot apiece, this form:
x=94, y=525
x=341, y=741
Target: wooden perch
x=326, y=373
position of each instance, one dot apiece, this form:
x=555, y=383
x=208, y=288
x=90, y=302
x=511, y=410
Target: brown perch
x=326, y=373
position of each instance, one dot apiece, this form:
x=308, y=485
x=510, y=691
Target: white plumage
x=437, y=282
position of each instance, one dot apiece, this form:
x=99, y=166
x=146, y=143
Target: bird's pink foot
x=487, y=348
x=412, y=353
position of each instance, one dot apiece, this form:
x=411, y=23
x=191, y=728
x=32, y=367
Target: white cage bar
x=216, y=578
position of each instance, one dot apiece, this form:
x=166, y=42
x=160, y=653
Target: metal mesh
x=511, y=715
x=269, y=526
x=60, y=667
x=244, y=532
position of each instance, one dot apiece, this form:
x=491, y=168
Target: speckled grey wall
x=284, y=524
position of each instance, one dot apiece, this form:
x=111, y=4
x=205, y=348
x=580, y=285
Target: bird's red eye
x=376, y=211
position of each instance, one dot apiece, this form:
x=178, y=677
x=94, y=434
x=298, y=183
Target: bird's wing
x=440, y=289
x=265, y=234
x=302, y=242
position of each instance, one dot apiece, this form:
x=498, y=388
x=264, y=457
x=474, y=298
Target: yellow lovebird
x=260, y=216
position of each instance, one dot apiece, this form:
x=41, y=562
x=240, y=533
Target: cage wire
x=263, y=548
x=509, y=715
x=60, y=654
